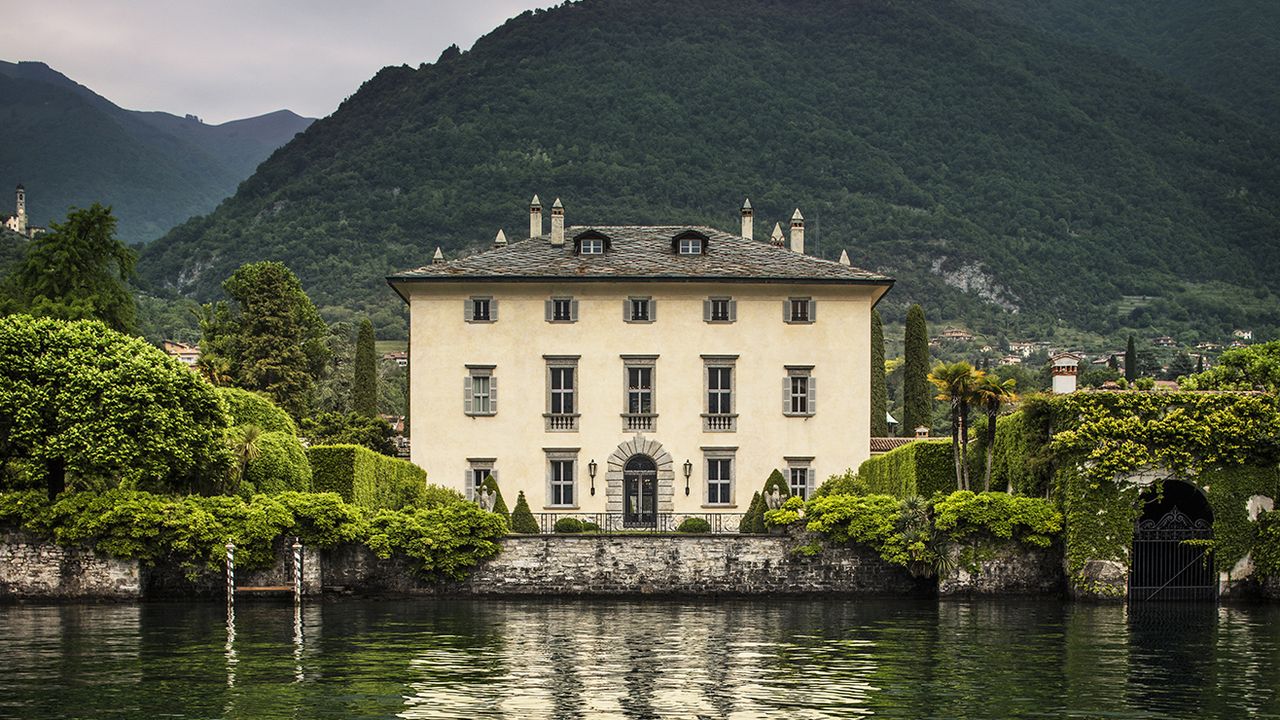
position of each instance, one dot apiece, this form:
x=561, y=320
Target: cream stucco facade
x=517, y=346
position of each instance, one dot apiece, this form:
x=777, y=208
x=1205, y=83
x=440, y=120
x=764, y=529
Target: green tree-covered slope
x=70, y=146
x=992, y=168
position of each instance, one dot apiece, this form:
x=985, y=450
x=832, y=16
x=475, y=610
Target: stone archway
x=1163, y=565
x=617, y=462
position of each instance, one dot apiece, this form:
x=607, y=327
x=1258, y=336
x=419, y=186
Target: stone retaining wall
x=172, y=581
x=33, y=569
x=990, y=566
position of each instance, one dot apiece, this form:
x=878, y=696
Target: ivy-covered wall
x=920, y=469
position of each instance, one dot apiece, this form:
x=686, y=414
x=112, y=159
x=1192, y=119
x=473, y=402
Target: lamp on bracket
x=688, y=470
x=591, y=470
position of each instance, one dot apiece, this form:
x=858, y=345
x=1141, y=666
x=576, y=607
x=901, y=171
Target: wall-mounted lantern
x=591, y=470
x=688, y=470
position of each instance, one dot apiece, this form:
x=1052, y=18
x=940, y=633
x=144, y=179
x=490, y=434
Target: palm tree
x=990, y=395
x=956, y=383
x=246, y=446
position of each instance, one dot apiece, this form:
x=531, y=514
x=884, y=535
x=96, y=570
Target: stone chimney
x=775, y=238
x=922, y=432
x=535, y=217
x=844, y=258
x=797, y=232
x=748, y=222
x=1065, y=368
x=557, y=223
x=500, y=240
x=438, y=257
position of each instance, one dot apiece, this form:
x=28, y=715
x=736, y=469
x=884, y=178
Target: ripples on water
x=785, y=658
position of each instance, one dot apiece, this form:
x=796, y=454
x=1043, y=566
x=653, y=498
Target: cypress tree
x=917, y=399
x=364, y=387
x=747, y=525
x=1130, y=362
x=1199, y=364
x=879, y=393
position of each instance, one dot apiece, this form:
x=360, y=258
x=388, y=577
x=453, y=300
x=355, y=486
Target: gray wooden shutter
x=469, y=309
x=626, y=310
x=813, y=395
x=493, y=394
x=706, y=311
x=468, y=483
x=786, y=394
x=813, y=311
x=653, y=309
x=466, y=394
x=733, y=310
x=550, y=309
x=786, y=311
x=573, y=310
x=493, y=310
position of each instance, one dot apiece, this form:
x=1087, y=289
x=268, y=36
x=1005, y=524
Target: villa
x=645, y=371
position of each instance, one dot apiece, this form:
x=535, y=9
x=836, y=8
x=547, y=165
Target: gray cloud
x=238, y=58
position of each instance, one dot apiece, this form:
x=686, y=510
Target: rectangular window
x=720, y=415
x=690, y=246
x=799, y=310
x=562, y=482
x=639, y=412
x=800, y=477
x=799, y=391
x=477, y=470
x=640, y=390
x=639, y=310
x=562, y=389
x=719, y=464
x=481, y=309
x=591, y=246
x=562, y=310
x=480, y=391
x=719, y=310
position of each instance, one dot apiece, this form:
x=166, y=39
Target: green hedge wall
x=921, y=468
x=365, y=478
x=281, y=465
x=249, y=408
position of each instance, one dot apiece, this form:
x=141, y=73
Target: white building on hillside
x=648, y=372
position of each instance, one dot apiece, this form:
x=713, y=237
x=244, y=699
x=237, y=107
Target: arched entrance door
x=1164, y=566
x=640, y=492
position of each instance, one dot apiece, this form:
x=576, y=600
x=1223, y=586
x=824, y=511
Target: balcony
x=562, y=423
x=725, y=523
x=639, y=422
x=719, y=422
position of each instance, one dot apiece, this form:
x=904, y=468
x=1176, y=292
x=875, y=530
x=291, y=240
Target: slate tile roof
x=643, y=252
x=885, y=444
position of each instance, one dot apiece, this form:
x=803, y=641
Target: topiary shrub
x=922, y=468
x=847, y=483
x=250, y=408
x=775, y=481
x=522, y=520
x=753, y=521
x=570, y=526
x=499, y=505
x=281, y=465
x=364, y=477
x=694, y=525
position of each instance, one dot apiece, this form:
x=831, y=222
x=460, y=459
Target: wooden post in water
x=297, y=571
x=231, y=573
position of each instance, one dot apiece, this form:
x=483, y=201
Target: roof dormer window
x=689, y=242
x=591, y=242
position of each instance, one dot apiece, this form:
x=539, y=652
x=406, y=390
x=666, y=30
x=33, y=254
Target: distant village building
x=640, y=371
x=1164, y=341
x=400, y=358
x=186, y=354
x=1011, y=360
x=1208, y=346
x=1022, y=348
x=1065, y=368
x=957, y=335
x=1243, y=334
x=18, y=222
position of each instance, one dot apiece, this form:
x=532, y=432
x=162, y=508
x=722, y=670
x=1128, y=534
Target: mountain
x=1009, y=178
x=1228, y=49
x=70, y=146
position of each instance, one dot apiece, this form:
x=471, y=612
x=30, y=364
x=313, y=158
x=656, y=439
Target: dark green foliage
x=364, y=389
x=776, y=481
x=573, y=526
x=879, y=393
x=93, y=408
x=990, y=149
x=694, y=526
x=76, y=271
x=250, y=408
x=921, y=468
x=1252, y=368
x=1130, y=361
x=365, y=478
x=499, y=505
x=350, y=429
x=1021, y=461
x=917, y=393
x=755, y=511
x=1266, y=556
x=270, y=337
x=522, y=520
x=847, y=483
x=281, y=465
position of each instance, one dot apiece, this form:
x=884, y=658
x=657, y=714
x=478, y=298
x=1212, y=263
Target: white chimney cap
x=557, y=204
x=796, y=215
x=776, y=235
x=500, y=240
x=535, y=200
x=844, y=257
x=438, y=257
x=746, y=204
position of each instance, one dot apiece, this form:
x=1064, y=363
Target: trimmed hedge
x=281, y=466
x=522, y=520
x=365, y=478
x=694, y=526
x=919, y=469
x=573, y=526
x=250, y=408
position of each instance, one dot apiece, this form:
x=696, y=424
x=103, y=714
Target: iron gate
x=1166, y=567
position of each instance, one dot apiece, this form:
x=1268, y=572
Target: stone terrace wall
x=639, y=565
x=1002, y=567
x=34, y=569
x=171, y=581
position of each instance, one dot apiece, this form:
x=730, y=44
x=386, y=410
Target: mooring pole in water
x=297, y=571
x=231, y=573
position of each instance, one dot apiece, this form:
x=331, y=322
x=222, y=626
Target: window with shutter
x=718, y=310
x=639, y=310
x=797, y=391
x=480, y=391
x=481, y=309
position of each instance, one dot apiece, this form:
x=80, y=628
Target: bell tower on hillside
x=21, y=214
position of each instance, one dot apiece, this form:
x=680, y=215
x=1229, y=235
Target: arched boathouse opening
x=1172, y=559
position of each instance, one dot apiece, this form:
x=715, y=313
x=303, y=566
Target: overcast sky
x=230, y=59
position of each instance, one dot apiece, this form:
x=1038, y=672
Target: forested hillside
x=70, y=146
x=1007, y=177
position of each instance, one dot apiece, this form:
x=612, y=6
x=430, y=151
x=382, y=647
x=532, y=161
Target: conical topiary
x=499, y=505
x=746, y=525
x=522, y=520
x=778, y=482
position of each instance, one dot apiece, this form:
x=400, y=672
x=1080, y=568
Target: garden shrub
x=522, y=520
x=694, y=525
x=366, y=478
x=753, y=521
x=445, y=541
x=963, y=514
x=250, y=408
x=847, y=483
x=281, y=465
x=499, y=505
x=923, y=468
x=1266, y=553
x=572, y=526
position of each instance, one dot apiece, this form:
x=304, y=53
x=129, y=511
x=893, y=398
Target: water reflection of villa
x=671, y=408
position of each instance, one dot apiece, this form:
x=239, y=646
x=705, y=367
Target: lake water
x=785, y=658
